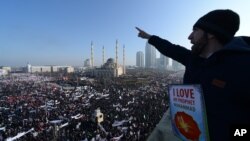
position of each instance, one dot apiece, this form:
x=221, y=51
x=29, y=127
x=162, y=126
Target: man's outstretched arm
x=166, y=48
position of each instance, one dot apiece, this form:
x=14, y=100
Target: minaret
x=92, y=56
x=116, y=54
x=103, y=59
x=29, y=67
x=116, y=58
x=124, y=72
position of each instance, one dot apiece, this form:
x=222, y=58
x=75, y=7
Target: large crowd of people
x=37, y=108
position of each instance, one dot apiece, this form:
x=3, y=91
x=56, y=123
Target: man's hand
x=143, y=34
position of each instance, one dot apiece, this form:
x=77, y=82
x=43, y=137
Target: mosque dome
x=110, y=60
x=110, y=63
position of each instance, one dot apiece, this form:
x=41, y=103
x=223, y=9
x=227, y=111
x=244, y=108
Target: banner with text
x=188, y=113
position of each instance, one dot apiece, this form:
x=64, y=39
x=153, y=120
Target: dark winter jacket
x=225, y=80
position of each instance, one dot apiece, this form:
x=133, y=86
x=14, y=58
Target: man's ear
x=210, y=36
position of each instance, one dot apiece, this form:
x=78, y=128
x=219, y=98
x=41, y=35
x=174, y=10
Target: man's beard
x=197, y=48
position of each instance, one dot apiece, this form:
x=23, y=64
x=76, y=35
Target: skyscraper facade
x=140, y=59
x=150, y=56
x=177, y=66
x=164, y=62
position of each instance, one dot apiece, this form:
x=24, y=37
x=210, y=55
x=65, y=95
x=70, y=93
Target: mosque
x=111, y=68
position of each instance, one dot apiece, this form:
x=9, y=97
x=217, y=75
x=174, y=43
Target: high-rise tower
x=103, y=59
x=92, y=55
x=116, y=57
x=116, y=53
x=140, y=59
x=150, y=56
x=164, y=62
x=124, y=69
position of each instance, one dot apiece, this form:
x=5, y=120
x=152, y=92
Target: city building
x=150, y=56
x=140, y=59
x=7, y=69
x=3, y=72
x=40, y=69
x=163, y=62
x=43, y=69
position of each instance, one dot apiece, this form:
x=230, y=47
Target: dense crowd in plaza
x=37, y=108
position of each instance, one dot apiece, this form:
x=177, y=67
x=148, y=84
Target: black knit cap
x=221, y=23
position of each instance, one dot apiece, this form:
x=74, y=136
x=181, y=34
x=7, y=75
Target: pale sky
x=59, y=32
